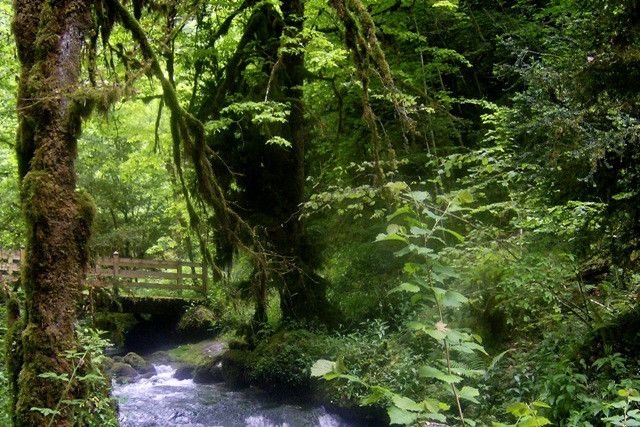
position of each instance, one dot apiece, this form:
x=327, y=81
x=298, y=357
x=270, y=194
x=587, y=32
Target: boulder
x=138, y=363
x=236, y=368
x=184, y=373
x=197, y=323
x=123, y=372
x=209, y=373
x=160, y=358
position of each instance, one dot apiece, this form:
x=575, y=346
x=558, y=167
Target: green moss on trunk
x=50, y=38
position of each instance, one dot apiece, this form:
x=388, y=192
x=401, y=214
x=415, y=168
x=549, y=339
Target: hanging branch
x=361, y=39
x=190, y=135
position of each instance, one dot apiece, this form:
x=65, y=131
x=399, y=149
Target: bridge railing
x=10, y=265
x=128, y=274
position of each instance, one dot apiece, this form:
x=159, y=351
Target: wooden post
x=179, y=276
x=204, y=279
x=10, y=264
x=116, y=270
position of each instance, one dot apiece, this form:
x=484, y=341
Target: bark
x=50, y=37
x=302, y=295
x=272, y=177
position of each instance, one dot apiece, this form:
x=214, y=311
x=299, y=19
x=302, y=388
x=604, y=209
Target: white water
x=163, y=401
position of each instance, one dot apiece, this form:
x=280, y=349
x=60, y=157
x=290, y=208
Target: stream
x=163, y=401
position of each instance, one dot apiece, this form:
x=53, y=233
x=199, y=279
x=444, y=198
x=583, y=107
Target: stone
x=184, y=373
x=123, y=372
x=208, y=374
x=138, y=363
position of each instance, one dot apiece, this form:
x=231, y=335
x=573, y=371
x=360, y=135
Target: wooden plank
x=144, y=274
x=156, y=286
x=131, y=262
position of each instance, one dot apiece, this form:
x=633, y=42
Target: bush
x=283, y=361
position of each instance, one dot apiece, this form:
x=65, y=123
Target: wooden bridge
x=134, y=283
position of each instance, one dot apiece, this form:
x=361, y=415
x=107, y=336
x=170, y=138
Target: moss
x=138, y=363
x=236, y=368
x=123, y=372
x=283, y=361
x=37, y=191
x=116, y=324
x=58, y=220
x=13, y=350
x=197, y=323
x=197, y=354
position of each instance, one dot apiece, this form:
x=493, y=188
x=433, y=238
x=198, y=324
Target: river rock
x=138, y=363
x=236, y=367
x=123, y=372
x=107, y=364
x=197, y=323
x=184, y=373
x=160, y=358
x=208, y=374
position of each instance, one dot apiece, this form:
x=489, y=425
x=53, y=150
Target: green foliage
x=98, y=409
x=283, y=361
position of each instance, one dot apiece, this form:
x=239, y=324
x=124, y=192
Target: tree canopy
x=444, y=184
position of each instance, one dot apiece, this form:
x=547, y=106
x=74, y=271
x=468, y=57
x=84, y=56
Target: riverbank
x=215, y=373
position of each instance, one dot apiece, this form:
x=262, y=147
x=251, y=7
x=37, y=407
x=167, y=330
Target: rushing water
x=163, y=401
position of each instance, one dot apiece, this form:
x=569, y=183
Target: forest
x=330, y=213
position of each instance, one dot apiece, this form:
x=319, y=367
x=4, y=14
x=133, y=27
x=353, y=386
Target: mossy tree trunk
x=50, y=36
x=302, y=295
x=271, y=176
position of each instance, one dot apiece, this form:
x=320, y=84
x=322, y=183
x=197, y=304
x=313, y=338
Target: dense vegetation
x=433, y=205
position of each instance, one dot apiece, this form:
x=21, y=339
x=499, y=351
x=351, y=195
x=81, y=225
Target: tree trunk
x=49, y=37
x=302, y=295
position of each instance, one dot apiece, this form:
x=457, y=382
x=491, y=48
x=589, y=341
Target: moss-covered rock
x=236, y=368
x=209, y=373
x=184, y=373
x=107, y=364
x=160, y=357
x=138, y=363
x=123, y=373
x=197, y=323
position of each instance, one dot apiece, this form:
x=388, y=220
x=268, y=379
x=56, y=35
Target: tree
x=50, y=37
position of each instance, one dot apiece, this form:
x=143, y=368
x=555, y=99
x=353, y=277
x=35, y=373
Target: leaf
x=405, y=403
x=534, y=422
x=458, y=236
x=419, y=196
x=278, y=140
x=436, y=334
x=469, y=393
x=400, y=211
x=376, y=394
x=432, y=405
x=465, y=197
x=539, y=404
x=386, y=237
x=518, y=409
x=431, y=372
x=406, y=287
x=497, y=359
x=416, y=326
x=436, y=417
x=322, y=367
x=45, y=411
x=454, y=299
x=401, y=416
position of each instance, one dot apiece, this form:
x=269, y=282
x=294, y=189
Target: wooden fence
x=127, y=273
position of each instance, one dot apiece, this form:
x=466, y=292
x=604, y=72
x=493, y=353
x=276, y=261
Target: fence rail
x=127, y=273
